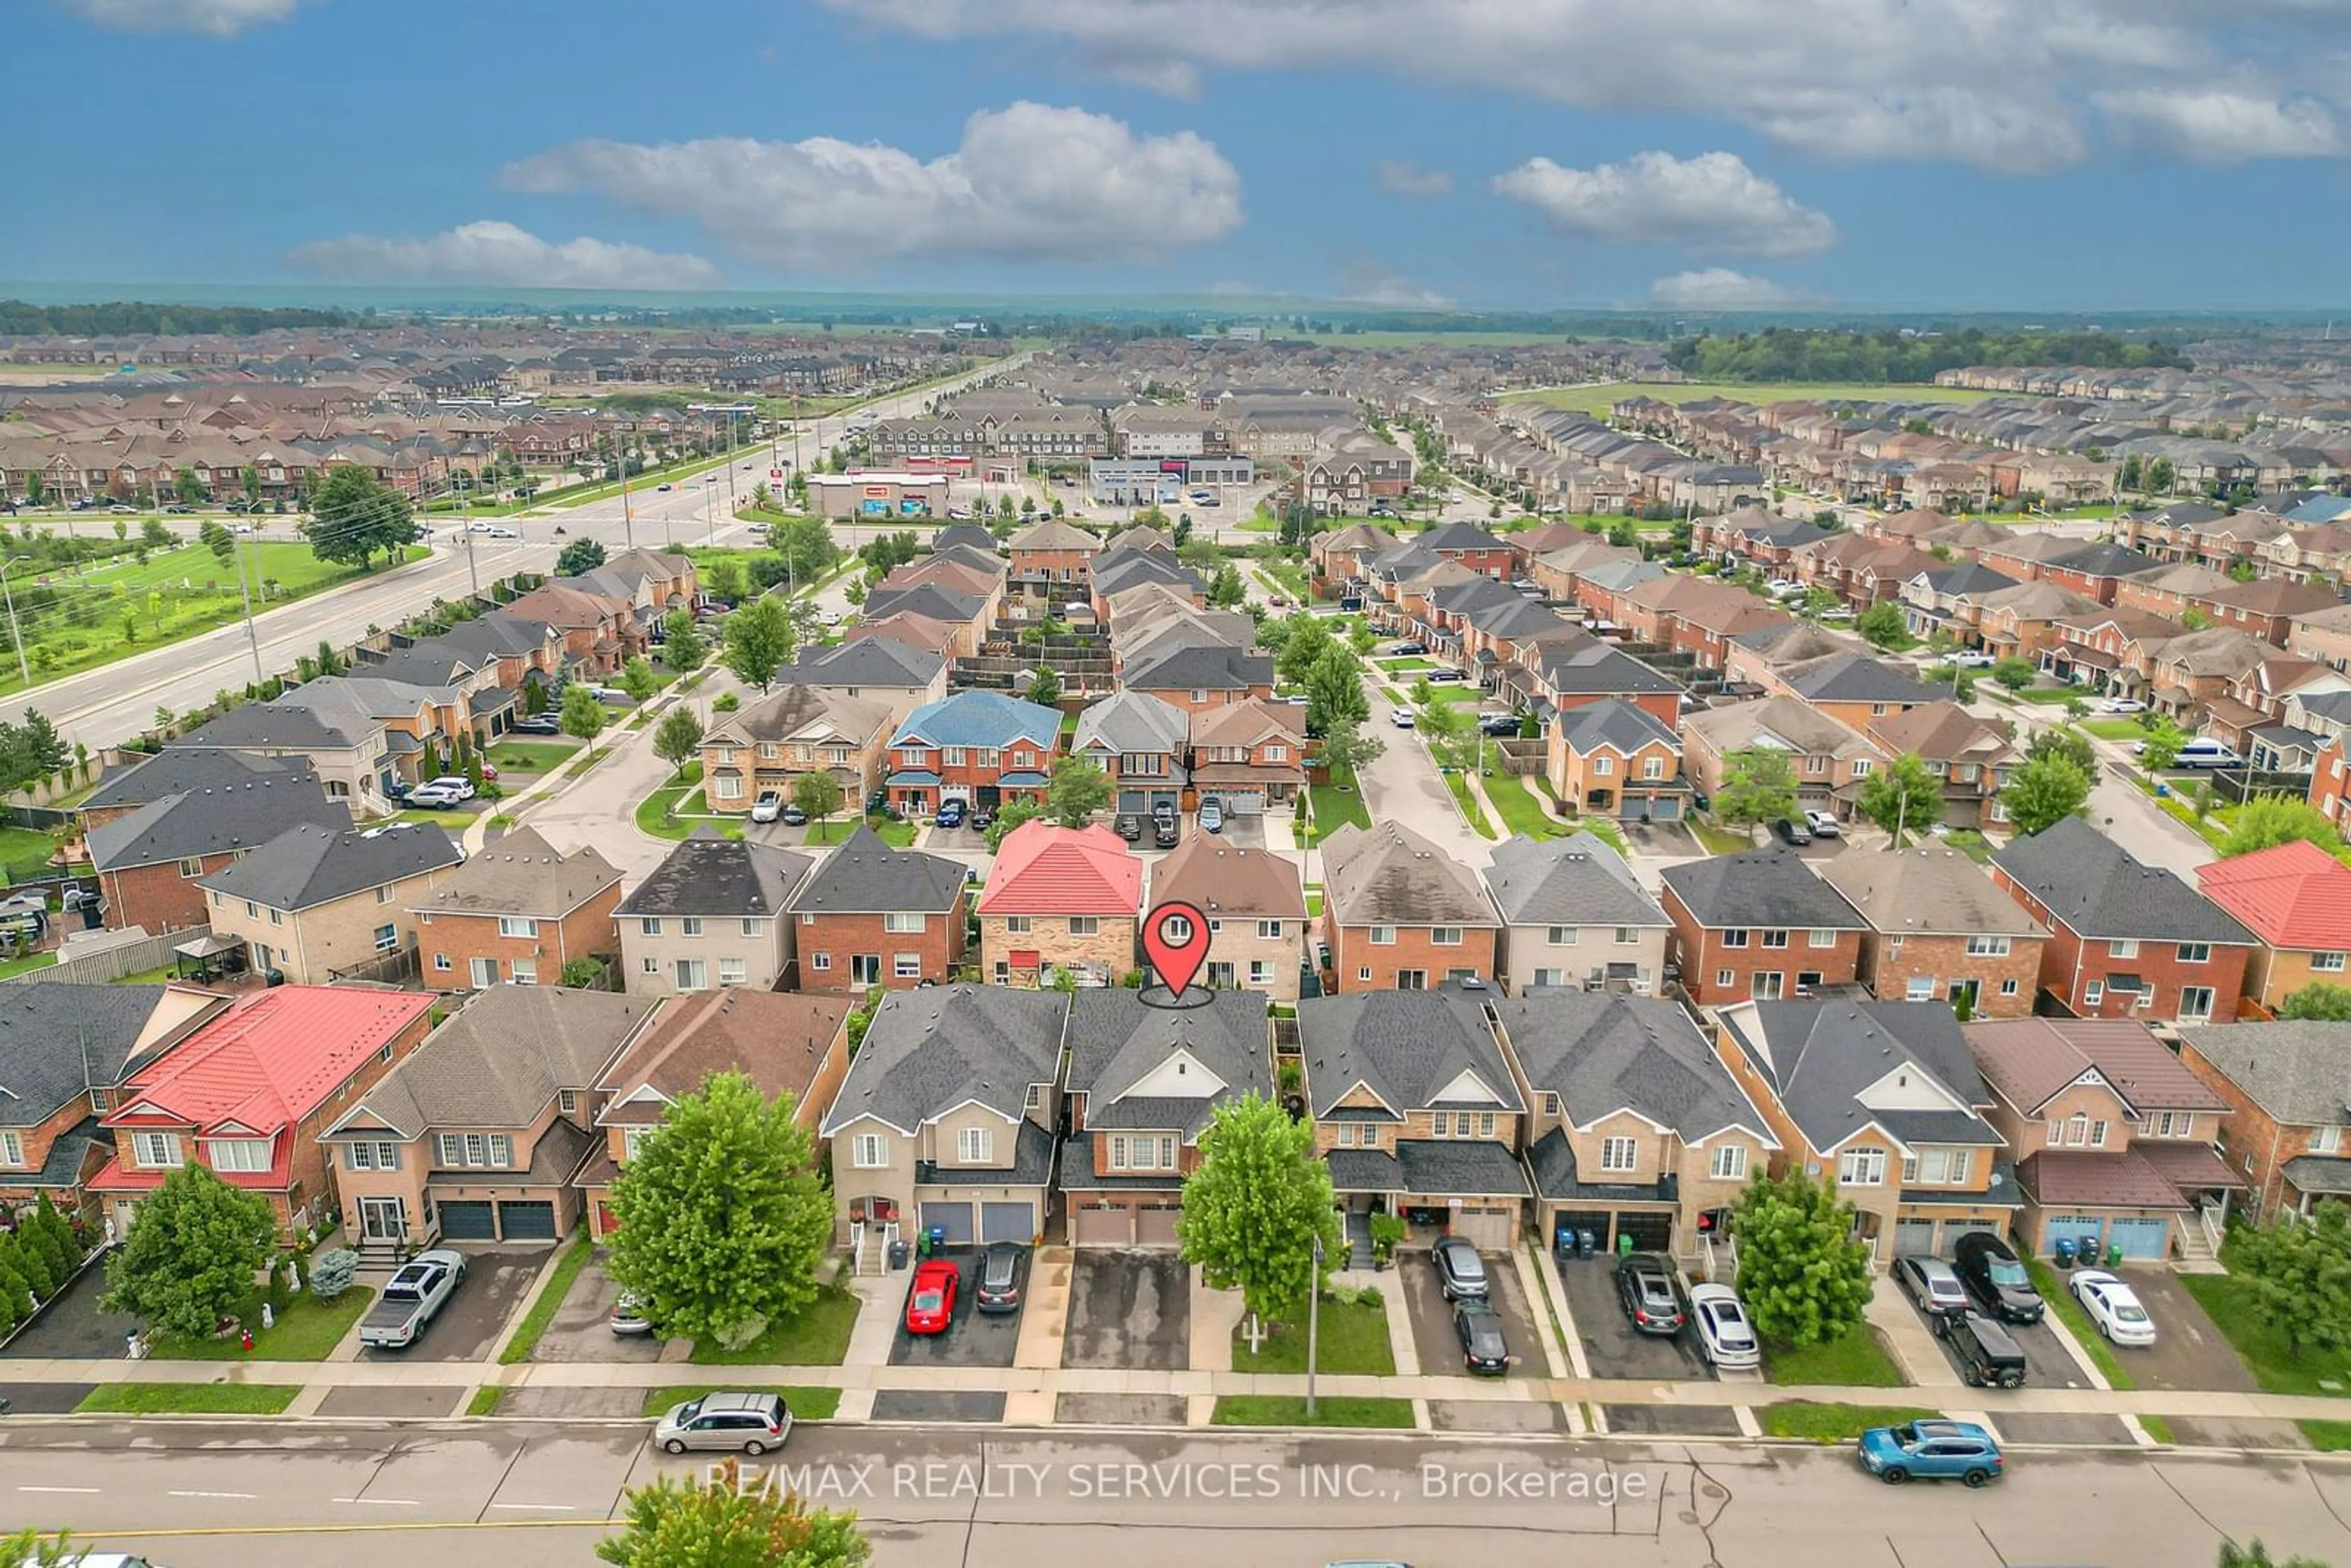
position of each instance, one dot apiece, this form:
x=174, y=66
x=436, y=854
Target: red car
x=930, y=1305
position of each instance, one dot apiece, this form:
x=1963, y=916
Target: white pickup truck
x=412, y=1298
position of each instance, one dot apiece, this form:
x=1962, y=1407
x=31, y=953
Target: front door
x=382, y=1219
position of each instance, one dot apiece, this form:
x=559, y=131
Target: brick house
x=1574, y=915
x=186, y=770
x=1757, y=925
x=1052, y=551
x=1854, y=690
x=1938, y=930
x=249, y=1090
x=1144, y=1083
x=1060, y=898
x=1612, y=759
x=476, y=1135
x=2266, y=607
x=792, y=732
x=715, y=913
x=981, y=747
x=314, y=904
x=1972, y=756
x=872, y=915
x=1469, y=545
x=599, y=631
x=150, y=858
x=1416, y=1111
x=1250, y=755
x=1256, y=905
x=2125, y=939
x=2289, y=1118
x=2330, y=785
x=1141, y=742
x=1196, y=677
x=1399, y=914
x=1634, y=1129
x=1829, y=759
x=517, y=911
x=2294, y=897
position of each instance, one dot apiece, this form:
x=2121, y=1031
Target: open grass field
x=1596, y=399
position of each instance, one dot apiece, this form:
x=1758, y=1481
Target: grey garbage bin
x=898, y=1254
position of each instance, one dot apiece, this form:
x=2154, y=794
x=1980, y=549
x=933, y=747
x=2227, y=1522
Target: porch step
x=1359, y=1242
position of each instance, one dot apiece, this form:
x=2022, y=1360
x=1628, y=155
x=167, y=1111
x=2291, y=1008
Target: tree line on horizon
x=1802, y=354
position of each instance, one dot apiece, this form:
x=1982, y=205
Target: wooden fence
x=102, y=968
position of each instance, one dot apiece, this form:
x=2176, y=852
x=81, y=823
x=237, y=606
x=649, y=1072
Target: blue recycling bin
x=2064, y=1251
x=937, y=1238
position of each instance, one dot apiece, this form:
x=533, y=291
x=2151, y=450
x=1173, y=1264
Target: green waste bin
x=2114, y=1254
x=1624, y=1245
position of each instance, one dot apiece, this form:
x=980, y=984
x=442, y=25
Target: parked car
x=628, y=1317
x=1645, y=1285
x=1501, y=723
x=1401, y=717
x=793, y=817
x=456, y=783
x=1212, y=814
x=2112, y=1305
x=1725, y=1333
x=982, y=819
x=2203, y=753
x=951, y=814
x=999, y=1286
x=538, y=723
x=664, y=485
x=1441, y=677
x=412, y=1299
x=1408, y=650
x=1987, y=1357
x=1460, y=1273
x=2117, y=705
x=1479, y=1328
x=1931, y=1450
x=1793, y=831
x=1969, y=659
x=431, y=797
x=1933, y=1287
x=768, y=806
x=1164, y=834
x=1823, y=823
x=930, y=1304
x=1131, y=828
x=738, y=1420
x=1998, y=1280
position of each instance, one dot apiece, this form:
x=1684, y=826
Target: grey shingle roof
x=58, y=1041
x=522, y=874
x=1209, y=666
x=1613, y=722
x=2299, y=1073
x=1577, y=880
x=1407, y=1047
x=933, y=1048
x=1852, y=678
x=864, y=875
x=1133, y=721
x=1759, y=887
x=1818, y=1056
x=503, y=1057
x=1386, y=874
x=1926, y=889
x=305, y=866
x=876, y=661
x=1116, y=1042
x=177, y=770
x=1459, y=1167
x=207, y=822
x=2099, y=890
x=710, y=875
x=1601, y=1052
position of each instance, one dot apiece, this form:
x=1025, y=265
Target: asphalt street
x=197, y=1495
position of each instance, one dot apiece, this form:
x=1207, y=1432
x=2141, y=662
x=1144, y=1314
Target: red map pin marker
x=1175, y=938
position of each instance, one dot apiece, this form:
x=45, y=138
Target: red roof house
x=2296, y=898
x=249, y=1094
x=1066, y=898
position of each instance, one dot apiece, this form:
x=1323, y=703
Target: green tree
x=1009, y=816
x=192, y=1256
x=2257, y=1555
x=677, y=738
x=352, y=516
x=2297, y=1277
x=2067, y=744
x=1227, y=591
x=2160, y=475
x=1757, y=785
x=582, y=716
x=214, y=536
x=2161, y=748
x=818, y=793
x=806, y=547
x=187, y=489
x=2320, y=1002
x=637, y=679
x=758, y=640
x=578, y=556
x=1045, y=685
x=1903, y=796
x=250, y=482
x=1348, y=751
x=2267, y=821
x=723, y=1215
x=682, y=647
x=155, y=536
x=1335, y=699
x=1804, y=1277
x=1078, y=790
x=1255, y=1205
x=1308, y=637
x=2195, y=620
x=1881, y=625
x=2014, y=674
x=1451, y=736
x=32, y=1549
x=725, y=580
x=685, y=1524
x=2043, y=792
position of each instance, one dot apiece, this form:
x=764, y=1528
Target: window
x=906, y=966
x=360, y=1157
x=1560, y=936
x=1862, y=765
x=755, y=928
x=905, y=925
x=1277, y=754
x=1445, y=935
x=649, y=927
x=1652, y=768
x=1862, y=1167
x=869, y=1151
x=1769, y=985
x=2097, y=1135
x=239, y=1153
x=1085, y=925
x=277, y=917
x=693, y=975
x=2008, y=988
x=193, y=866
x=2094, y=993
x=1412, y=980
x=1920, y=988
x=2326, y=1140
x=1937, y=1167
x=1019, y=924
x=2056, y=1135
x=1987, y=946
x=1271, y=930
x=1775, y=939
x=2126, y=948
x=2077, y=1130
x=2195, y=1002
x=690, y=926
x=1602, y=766
x=1728, y=1164
x=524, y=971
x=442, y=963
x=820, y=960
x=2169, y=1124
x=2196, y=952
x=733, y=972
x=1627, y=936
x=568, y=1102
x=1382, y=935
x=1823, y=937
x=1735, y=937
x=1619, y=1154
x=156, y=1150
x=951, y=757
x=649, y=965
x=517, y=926
x=1549, y=1103
x=1365, y=974
x=2327, y=963
x=12, y=1149
x=1725, y=978
x=387, y=937
x=975, y=1145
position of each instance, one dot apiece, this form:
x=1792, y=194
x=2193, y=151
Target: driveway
x=2189, y=1350
x=468, y=1326
x=1433, y=1339
x=2047, y=1363
x=581, y=1329
x=1130, y=1310
x=73, y=1328
x=973, y=1338
x=1615, y=1348
x=1241, y=832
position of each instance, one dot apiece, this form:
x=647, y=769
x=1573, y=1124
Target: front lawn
x=532, y=756
x=2229, y=1303
x=898, y=833
x=1407, y=663
x=187, y=1399
x=1720, y=840
x=1859, y=1360
x=657, y=813
x=1352, y=1337
x=551, y=1300
x=806, y=1403
x=816, y=1337
x=2122, y=729
x=2077, y=1321
x=1521, y=813
x=307, y=1330
x=1334, y=806
x=1471, y=813
x=1811, y=1423
x=1285, y=1410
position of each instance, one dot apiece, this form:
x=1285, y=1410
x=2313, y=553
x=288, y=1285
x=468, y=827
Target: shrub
x=331, y=1274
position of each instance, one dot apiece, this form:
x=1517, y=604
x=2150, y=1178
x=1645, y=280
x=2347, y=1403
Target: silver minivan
x=737, y=1421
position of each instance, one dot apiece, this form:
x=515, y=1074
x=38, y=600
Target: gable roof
x=272, y=1059
x=707, y=874
x=521, y=874
x=1407, y=1047
x=180, y=769
x=980, y=718
x=1615, y=724
x=1818, y=1056
x=1854, y=677
x=1386, y=874
x=1577, y=880
x=1759, y=887
x=497, y=1062
x=793, y=712
x=2292, y=894
x=1940, y=730
x=1131, y=721
x=2029, y=1060
x=863, y=875
x=779, y=1039
x=1041, y=869
x=1248, y=724
x=1926, y=889
x=1117, y=1042
x=2097, y=889
x=1198, y=666
x=2299, y=1072
x=1052, y=534
x=212, y=819
x=1602, y=1052
x=933, y=1048
x=1220, y=880
x=307, y=865
x=1790, y=723
x=59, y=1040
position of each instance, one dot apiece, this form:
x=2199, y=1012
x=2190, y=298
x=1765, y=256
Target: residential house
x=1637, y=1133
x=783, y=738
x=1574, y=915
x=874, y=666
x=149, y=858
x=2267, y=607
x=1467, y=545
x=185, y=771
x=1885, y=1099
x=2126, y=939
x=717, y=912
x=1144, y=1083
x=343, y=743
x=1972, y=756
x=1051, y=552
x=1060, y=899
x=1854, y=690
x=983, y=748
x=1141, y=742
x=1255, y=901
x=1337, y=556
x=1555, y=674
x=1198, y=675
x=945, y=1121
x=1829, y=759
x=2114, y=1136
x=247, y=1093
x=785, y=1043
x=2288, y=1125
x=1612, y=759
x=1938, y=929
x=1757, y=925
x=1416, y=1111
x=1399, y=914
x=599, y=631
x=477, y=1135
x=319, y=904
x=873, y=916
x=1248, y=754
x=2296, y=898
x=517, y=911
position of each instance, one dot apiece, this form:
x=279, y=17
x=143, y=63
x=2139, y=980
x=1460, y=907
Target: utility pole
x=628, y=517
x=1313, y=1321
x=252, y=636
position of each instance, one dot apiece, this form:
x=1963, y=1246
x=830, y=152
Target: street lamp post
x=16, y=632
x=1313, y=1321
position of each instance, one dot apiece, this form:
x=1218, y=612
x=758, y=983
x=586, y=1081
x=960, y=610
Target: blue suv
x=1931, y=1450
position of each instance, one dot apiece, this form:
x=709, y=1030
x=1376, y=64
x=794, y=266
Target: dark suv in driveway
x=1645, y=1284
x=1992, y=1271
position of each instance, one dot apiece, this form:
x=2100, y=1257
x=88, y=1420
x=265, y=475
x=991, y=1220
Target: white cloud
x=2220, y=126
x=499, y=252
x=2005, y=84
x=1028, y=182
x=1719, y=288
x=216, y=18
x=1712, y=202
x=1412, y=180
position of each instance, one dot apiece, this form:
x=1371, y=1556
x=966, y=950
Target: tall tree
x=1335, y=699
x=1903, y=796
x=1347, y=751
x=1757, y=785
x=188, y=490
x=2043, y=792
x=578, y=556
x=352, y=516
x=1308, y=637
x=1881, y=625
x=677, y=738
x=1045, y=685
x=1805, y=1279
x=722, y=1523
x=581, y=716
x=2068, y=742
x=806, y=547
x=192, y=1258
x=723, y=1215
x=682, y=647
x=758, y=640
x=2297, y=1277
x=637, y=679
x=2267, y=821
x=726, y=578
x=1255, y=1205
x=1078, y=790
x=214, y=536
x=819, y=794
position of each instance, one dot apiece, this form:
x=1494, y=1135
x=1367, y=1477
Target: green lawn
x=818, y=1337
x=2161, y=1430
x=542, y=1311
x=1521, y=813
x=1334, y=806
x=1408, y=662
x=187, y=1399
x=2122, y=729
x=1284, y=1410
x=1859, y=1360
x=897, y=833
x=1597, y=399
x=307, y=1330
x=1351, y=1338
x=1811, y=1423
x=2077, y=1322
x=532, y=756
x=2262, y=1347
x=25, y=964
x=1720, y=840
x=807, y=1403
x=1471, y=813
x=2326, y=1437
x=486, y=1401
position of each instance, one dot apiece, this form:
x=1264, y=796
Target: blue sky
x=2036, y=155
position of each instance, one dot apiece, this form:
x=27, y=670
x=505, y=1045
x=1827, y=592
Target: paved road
x=199, y=1495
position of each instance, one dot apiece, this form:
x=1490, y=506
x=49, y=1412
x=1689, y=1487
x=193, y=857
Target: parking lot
x=582, y=1330
x=1129, y=1309
x=468, y=1326
x=973, y=1338
x=1613, y=1346
x=1433, y=1337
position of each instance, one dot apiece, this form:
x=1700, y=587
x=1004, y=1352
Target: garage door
x=953, y=1219
x=1566, y=1222
x=2078, y=1228
x=1007, y=1222
x=1132, y=803
x=1665, y=809
x=527, y=1221
x=1650, y=1232
x=2139, y=1237
x=1245, y=803
x=467, y=1222
x=1914, y=1237
x=1101, y=1225
x=1955, y=1228
x=1154, y=1224
x=1487, y=1230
